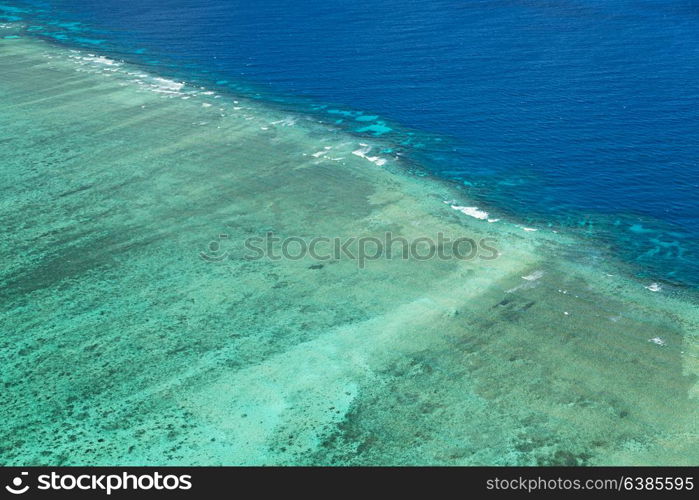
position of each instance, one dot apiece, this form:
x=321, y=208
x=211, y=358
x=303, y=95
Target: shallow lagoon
x=121, y=345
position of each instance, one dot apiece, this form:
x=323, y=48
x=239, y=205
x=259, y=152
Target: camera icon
x=16, y=487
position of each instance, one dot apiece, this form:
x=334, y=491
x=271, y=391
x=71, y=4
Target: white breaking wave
x=167, y=86
x=101, y=60
x=364, y=151
x=472, y=211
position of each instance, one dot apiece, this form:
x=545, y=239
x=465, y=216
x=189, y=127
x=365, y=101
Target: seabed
x=121, y=345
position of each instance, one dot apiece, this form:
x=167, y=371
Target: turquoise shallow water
x=121, y=345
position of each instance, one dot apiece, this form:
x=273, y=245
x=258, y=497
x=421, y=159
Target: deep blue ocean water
x=575, y=114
